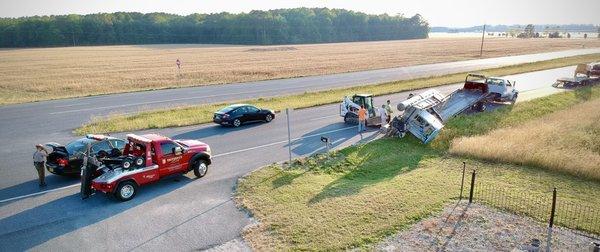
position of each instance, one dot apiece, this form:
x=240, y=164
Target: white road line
x=214, y=156
x=39, y=193
x=72, y=105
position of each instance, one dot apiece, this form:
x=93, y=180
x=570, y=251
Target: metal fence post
x=551, y=222
x=462, y=182
x=472, y=187
x=287, y=114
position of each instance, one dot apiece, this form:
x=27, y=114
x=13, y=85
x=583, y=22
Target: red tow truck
x=146, y=159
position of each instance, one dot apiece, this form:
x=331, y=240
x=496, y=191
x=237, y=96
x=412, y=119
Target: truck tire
x=350, y=119
x=200, y=168
x=126, y=190
x=514, y=98
x=480, y=106
x=139, y=162
x=127, y=163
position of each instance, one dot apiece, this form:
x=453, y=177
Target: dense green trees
x=281, y=26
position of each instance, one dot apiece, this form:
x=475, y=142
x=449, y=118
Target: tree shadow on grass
x=380, y=161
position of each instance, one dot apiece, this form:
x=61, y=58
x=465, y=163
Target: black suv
x=67, y=160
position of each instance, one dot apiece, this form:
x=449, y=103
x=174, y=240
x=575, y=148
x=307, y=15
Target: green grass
x=359, y=195
x=191, y=115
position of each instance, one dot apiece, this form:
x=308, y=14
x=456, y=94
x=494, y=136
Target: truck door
x=169, y=161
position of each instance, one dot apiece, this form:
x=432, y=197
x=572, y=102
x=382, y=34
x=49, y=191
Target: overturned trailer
x=425, y=114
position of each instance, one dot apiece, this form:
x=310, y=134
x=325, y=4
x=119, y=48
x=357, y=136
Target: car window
x=167, y=148
x=117, y=144
x=251, y=109
x=240, y=111
x=495, y=82
x=77, y=146
x=103, y=145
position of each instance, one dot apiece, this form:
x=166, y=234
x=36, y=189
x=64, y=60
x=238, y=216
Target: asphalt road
x=24, y=125
x=181, y=213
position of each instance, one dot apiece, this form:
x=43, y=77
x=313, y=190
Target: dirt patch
x=273, y=49
x=477, y=227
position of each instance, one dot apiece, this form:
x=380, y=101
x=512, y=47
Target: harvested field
x=50, y=73
x=566, y=141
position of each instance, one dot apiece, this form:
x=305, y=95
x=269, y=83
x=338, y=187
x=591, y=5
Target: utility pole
x=482, y=38
x=287, y=114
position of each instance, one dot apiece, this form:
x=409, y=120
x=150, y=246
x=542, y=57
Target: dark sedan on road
x=67, y=160
x=238, y=114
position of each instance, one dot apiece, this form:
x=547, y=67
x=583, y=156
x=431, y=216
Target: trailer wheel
x=126, y=190
x=481, y=107
x=200, y=168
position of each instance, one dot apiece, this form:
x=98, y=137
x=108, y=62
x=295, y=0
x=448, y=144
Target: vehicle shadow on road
x=215, y=130
x=377, y=164
x=32, y=186
x=310, y=143
x=32, y=227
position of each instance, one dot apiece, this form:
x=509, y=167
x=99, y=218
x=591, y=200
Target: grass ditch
x=191, y=115
x=357, y=196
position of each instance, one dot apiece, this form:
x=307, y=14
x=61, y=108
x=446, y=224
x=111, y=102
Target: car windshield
x=227, y=109
x=495, y=81
x=77, y=145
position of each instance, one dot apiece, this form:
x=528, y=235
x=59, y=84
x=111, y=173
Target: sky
x=450, y=13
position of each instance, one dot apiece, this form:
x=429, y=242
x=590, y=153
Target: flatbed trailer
x=425, y=114
x=584, y=75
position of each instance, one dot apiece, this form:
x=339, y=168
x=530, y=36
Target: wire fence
x=549, y=206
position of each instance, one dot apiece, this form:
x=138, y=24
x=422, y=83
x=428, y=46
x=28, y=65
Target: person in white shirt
x=39, y=161
x=383, y=115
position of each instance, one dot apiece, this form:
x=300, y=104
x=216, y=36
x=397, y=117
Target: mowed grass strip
x=565, y=141
x=190, y=115
x=381, y=188
x=53, y=73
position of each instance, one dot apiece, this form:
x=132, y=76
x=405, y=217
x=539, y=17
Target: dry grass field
x=50, y=73
x=565, y=141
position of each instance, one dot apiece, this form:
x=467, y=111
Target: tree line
x=280, y=26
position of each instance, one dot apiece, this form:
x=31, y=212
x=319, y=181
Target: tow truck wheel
x=126, y=191
x=237, y=123
x=200, y=168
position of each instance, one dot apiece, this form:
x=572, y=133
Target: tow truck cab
x=151, y=157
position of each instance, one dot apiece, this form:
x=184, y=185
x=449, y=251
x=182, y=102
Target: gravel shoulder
x=474, y=227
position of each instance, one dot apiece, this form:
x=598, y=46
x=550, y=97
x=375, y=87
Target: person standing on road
x=362, y=118
x=383, y=115
x=389, y=111
x=39, y=161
